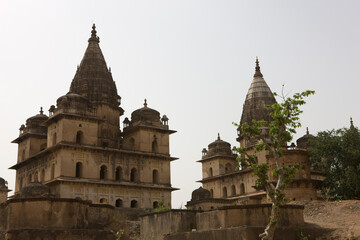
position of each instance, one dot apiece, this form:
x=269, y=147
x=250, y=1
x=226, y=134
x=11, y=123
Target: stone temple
x=79, y=175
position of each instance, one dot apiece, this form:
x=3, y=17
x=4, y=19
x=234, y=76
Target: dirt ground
x=342, y=217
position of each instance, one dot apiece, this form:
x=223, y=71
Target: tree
x=273, y=137
x=337, y=154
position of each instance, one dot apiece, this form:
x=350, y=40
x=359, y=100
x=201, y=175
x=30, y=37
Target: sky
x=193, y=60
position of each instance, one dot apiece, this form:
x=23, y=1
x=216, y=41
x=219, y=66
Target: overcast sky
x=192, y=60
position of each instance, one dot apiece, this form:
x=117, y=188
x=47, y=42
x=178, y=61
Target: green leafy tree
x=337, y=154
x=161, y=207
x=273, y=137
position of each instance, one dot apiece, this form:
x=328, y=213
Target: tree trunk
x=269, y=231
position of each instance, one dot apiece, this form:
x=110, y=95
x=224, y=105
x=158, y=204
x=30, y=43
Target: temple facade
x=80, y=151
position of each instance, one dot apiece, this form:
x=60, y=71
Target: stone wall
x=249, y=215
x=154, y=225
x=63, y=219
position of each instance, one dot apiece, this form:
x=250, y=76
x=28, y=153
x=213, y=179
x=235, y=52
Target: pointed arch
x=224, y=192
x=79, y=137
x=78, y=170
x=103, y=172
x=134, y=175
x=155, y=176
x=233, y=190
x=118, y=174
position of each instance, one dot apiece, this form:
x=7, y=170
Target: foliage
x=161, y=207
x=119, y=234
x=273, y=137
x=337, y=154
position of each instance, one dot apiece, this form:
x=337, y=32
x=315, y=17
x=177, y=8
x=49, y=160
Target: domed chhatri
x=219, y=147
x=303, y=142
x=200, y=194
x=3, y=184
x=145, y=114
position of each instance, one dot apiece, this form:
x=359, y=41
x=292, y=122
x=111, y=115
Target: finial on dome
x=93, y=34
x=145, y=104
x=218, y=136
x=351, y=123
x=41, y=111
x=307, y=131
x=257, y=69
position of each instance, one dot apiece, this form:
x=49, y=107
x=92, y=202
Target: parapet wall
x=248, y=215
x=154, y=225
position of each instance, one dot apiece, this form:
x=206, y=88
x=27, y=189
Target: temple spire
x=94, y=37
x=257, y=69
x=218, y=136
x=351, y=123
x=145, y=103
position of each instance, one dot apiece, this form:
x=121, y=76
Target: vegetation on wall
x=336, y=153
x=273, y=137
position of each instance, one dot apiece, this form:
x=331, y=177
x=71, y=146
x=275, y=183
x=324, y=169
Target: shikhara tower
x=79, y=150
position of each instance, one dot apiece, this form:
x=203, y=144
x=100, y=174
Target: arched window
x=210, y=172
x=42, y=176
x=224, y=192
x=54, y=139
x=134, y=204
x=103, y=200
x=242, y=189
x=118, y=174
x=103, y=172
x=29, y=178
x=132, y=143
x=23, y=155
x=155, y=176
x=133, y=175
x=154, y=146
x=211, y=193
x=52, y=171
x=36, y=177
x=78, y=170
x=155, y=204
x=233, y=190
x=79, y=137
x=118, y=203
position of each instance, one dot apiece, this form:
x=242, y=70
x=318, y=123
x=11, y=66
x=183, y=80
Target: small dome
x=3, y=184
x=303, y=142
x=145, y=114
x=200, y=193
x=34, y=190
x=219, y=146
x=73, y=103
x=37, y=119
x=71, y=97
